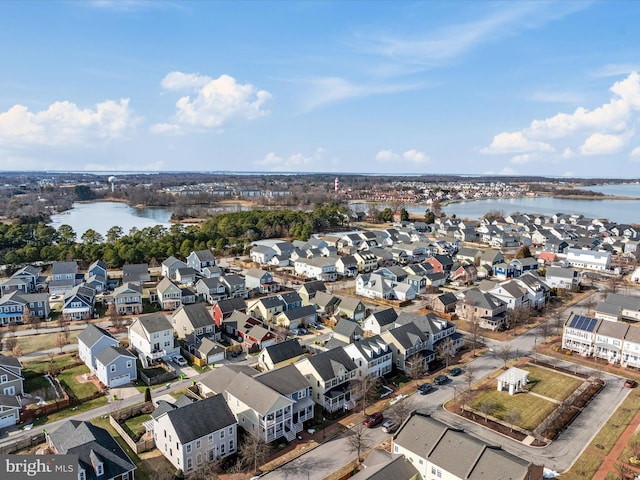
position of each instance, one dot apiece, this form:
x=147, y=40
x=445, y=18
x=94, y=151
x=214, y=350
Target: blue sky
x=530, y=88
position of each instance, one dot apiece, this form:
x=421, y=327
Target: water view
x=101, y=216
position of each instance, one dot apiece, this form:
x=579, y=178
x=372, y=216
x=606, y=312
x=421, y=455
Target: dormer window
x=4, y=378
x=99, y=469
x=82, y=474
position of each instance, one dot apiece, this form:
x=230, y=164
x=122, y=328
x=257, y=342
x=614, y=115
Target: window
x=125, y=476
x=82, y=475
x=230, y=430
x=222, y=432
x=189, y=464
x=129, y=364
x=4, y=378
x=112, y=368
x=199, y=459
x=99, y=469
x=222, y=449
x=197, y=443
x=231, y=445
x=210, y=438
x=188, y=447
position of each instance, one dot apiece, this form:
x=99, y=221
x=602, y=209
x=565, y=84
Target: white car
x=179, y=359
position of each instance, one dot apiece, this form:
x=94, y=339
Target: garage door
x=120, y=380
x=7, y=420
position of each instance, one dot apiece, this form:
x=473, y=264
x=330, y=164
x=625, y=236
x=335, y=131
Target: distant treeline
x=29, y=242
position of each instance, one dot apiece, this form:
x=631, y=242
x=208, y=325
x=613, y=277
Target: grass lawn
x=617, y=423
x=79, y=390
x=153, y=371
x=43, y=366
x=134, y=426
x=43, y=341
x=67, y=412
x=532, y=409
x=551, y=384
x=585, y=467
x=39, y=386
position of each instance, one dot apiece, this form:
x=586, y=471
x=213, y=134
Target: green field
x=548, y=383
x=43, y=341
x=532, y=409
x=79, y=390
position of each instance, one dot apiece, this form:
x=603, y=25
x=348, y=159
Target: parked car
x=295, y=331
x=629, y=383
x=390, y=426
x=236, y=353
x=179, y=359
x=373, y=420
x=441, y=380
x=426, y=388
x=303, y=331
x=454, y=372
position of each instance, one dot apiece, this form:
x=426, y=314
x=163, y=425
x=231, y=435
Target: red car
x=373, y=420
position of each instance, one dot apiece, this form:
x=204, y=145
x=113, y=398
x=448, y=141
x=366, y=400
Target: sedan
x=179, y=359
x=426, y=388
x=454, y=372
x=441, y=380
x=630, y=383
x=373, y=420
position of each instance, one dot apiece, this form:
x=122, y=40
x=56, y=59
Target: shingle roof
x=91, y=334
x=155, y=322
x=109, y=354
x=385, y=316
x=85, y=440
x=256, y=395
x=326, y=363
x=218, y=380
x=201, y=418
x=284, y=380
x=196, y=314
x=286, y=350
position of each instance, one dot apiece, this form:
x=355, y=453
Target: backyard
x=77, y=389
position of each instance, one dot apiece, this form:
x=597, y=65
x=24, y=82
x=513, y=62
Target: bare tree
x=415, y=367
x=545, y=330
x=114, y=316
x=444, y=350
x=590, y=303
x=469, y=375
x=28, y=318
x=253, y=451
x=474, y=337
x=625, y=471
x=60, y=341
x=10, y=342
x=359, y=440
x=17, y=351
x=557, y=320
x=513, y=417
x=504, y=353
x=366, y=391
x=399, y=411
x=2, y=333
x=209, y=471
x=281, y=332
x=487, y=407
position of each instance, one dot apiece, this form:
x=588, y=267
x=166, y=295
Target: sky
x=546, y=88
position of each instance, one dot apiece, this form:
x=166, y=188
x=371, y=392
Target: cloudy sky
x=542, y=88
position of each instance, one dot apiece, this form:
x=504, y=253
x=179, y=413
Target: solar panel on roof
x=584, y=323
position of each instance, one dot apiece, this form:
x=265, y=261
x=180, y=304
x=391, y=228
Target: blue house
x=116, y=366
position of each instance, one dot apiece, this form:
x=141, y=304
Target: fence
x=146, y=442
x=19, y=445
x=156, y=379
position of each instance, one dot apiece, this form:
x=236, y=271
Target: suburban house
x=579, y=334
x=193, y=319
x=186, y=276
x=366, y=261
x=91, y=341
x=128, y=299
x=13, y=305
x=224, y=308
x=325, y=303
x=168, y=294
x=485, y=308
x=344, y=332
x=589, y=259
x=260, y=410
x=257, y=337
x=136, y=273
x=289, y=382
x=79, y=303
x=202, y=261
x=565, y=278
x=261, y=281
x=445, y=303
x=207, y=349
x=439, y=451
x=10, y=407
x=238, y=322
x=318, y=268
x=351, y=307
x=211, y=289
x=628, y=306
x=100, y=457
x=372, y=355
x=64, y=276
x=512, y=294
x=408, y=346
x=115, y=367
x=380, y=320
x=196, y=433
x=266, y=309
x=347, y=266
x=27, y=280
x=170, y=267
x=11, y=390
x=308, y=291
x=151, y=337
x=330, y=375
x=262, y=254
x=297, y=317
x=236, y=286
x=280, y=354
x=97, y=276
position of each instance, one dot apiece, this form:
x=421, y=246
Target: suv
x=426, y=388
x=179, y=359
x=454, y=372
x=629, y=383
x=373, y=420
x=390, y=426
x=441, y=379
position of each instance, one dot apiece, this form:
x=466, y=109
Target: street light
x=323, y=428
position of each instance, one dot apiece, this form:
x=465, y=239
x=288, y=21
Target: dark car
x=454, y=372
x=236, y=353
x=441, y=380
x=629, y=383
x=426, y=388
x=373, y=420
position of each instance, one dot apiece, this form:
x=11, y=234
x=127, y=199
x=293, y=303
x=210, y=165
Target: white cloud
x=602, y=144
x=508, y=171
x=165, y=129
x=616, y=70
x=64, y=123
x=515, y=142
x=635, y=153
x=295, y=161
x=603, y=130
x=412, y=156
x=215, y=102
x=524, y=158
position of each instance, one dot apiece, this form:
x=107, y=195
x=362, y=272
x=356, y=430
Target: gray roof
x=134, y=272
x=290, y=297
x=74, y=437
x=347, y=328
x=326, y=363
x=10, y=401
x=625, y=301
x=218, y=380
x=196, y=314
x=385, y=316
x=110, y=354
x=271, y=302
x=381, y=465
x=286, y=350
x=61, y=268
x=91, y=334
x=314, y=286
x=155, y=322
x=204, y=255
x=199, y=419
x=300, y=312
x=126, y=287
x=407, y=335
x=285, y=380
x=256, y=395
x=230, y=304
x=458, y=452
x=608, y=308
x=6, y=361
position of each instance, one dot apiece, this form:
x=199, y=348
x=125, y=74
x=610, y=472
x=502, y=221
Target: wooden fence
x=20, y=445
x=146, y=442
